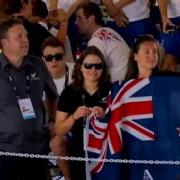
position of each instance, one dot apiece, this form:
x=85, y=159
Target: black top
x=16, y=134
x=70, y=99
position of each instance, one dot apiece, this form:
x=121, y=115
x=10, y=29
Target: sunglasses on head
x=57, y=57
x=97, y=66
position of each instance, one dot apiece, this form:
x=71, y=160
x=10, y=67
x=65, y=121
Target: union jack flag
x=123, y=109
x=105, y=35
x=136, y=127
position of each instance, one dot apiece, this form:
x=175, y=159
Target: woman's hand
x=81, y=111
x=98, y=111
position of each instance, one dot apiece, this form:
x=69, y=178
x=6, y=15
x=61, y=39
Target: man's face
x=54, y=59
x=16, y=42
x=83, y=24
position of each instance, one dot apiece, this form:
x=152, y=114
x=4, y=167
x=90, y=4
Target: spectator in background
x=87, y=94
x=155, y=17
x=43, y=18
x=36, y=33
x=23, y=78
x=78, y=43
x=132, y=18
x=39, y=11
x=144, y=59
x=23, y=10
x=115, y=50
x=170, y=37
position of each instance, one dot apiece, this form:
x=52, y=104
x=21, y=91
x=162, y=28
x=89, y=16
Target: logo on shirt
x=34, y=76
x=105, y=35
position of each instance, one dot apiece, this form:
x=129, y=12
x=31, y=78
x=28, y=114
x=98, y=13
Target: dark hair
x=51, y=41
x=39, y=8
x=132, y=71
x=6, y=25
x=10, y=7
x=92, y=9
x=77, y=75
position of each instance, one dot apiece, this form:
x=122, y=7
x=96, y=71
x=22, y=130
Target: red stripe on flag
x=136, y=108
x=95, y=143
x=141, y=130
x=125, y=88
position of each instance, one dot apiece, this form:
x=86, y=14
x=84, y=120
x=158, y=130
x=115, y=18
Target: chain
x=71, y=158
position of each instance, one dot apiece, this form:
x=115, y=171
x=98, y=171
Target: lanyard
x=13, y=84
x=66, y=77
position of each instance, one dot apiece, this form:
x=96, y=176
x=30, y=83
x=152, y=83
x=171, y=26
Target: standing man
x=23, y=79
x=111, y=44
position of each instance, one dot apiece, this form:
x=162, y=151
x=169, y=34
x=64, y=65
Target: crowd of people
x=59, y=60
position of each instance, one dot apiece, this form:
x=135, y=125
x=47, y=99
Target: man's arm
x=61, y=17
x=115, y=11
x=111, y=8
x=122, y=3
x=163, y=10
x=73, y=7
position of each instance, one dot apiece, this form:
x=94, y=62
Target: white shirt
x=60, y=83
x=136, y=10
x=173, y=8
x=114, y=49
x=66, y=4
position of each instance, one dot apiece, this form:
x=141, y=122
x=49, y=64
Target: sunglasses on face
x=97, y=66
x=57, y=57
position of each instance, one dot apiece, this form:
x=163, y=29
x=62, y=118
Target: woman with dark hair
x=144, y=58
x=87, y=94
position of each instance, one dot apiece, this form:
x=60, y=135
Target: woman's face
x=91, y=68
x=147, y=56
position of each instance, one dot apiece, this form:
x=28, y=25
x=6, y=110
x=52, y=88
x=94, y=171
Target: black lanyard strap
x=66, y=77
x=14, y=87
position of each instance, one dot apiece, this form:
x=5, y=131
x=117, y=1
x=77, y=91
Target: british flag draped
x=142, y=123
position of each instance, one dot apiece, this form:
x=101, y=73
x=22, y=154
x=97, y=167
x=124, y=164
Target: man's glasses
x=97, y=66
x=57, y=57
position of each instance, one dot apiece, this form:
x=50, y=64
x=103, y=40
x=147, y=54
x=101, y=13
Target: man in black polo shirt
x=23, y=79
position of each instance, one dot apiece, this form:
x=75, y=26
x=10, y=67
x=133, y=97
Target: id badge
x=26, y=108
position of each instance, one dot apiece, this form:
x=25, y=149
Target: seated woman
x=84, y=96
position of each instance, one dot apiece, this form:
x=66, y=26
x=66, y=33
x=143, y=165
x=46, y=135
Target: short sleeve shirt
x=71, y=99
x=114, y=49
x=18, y=135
